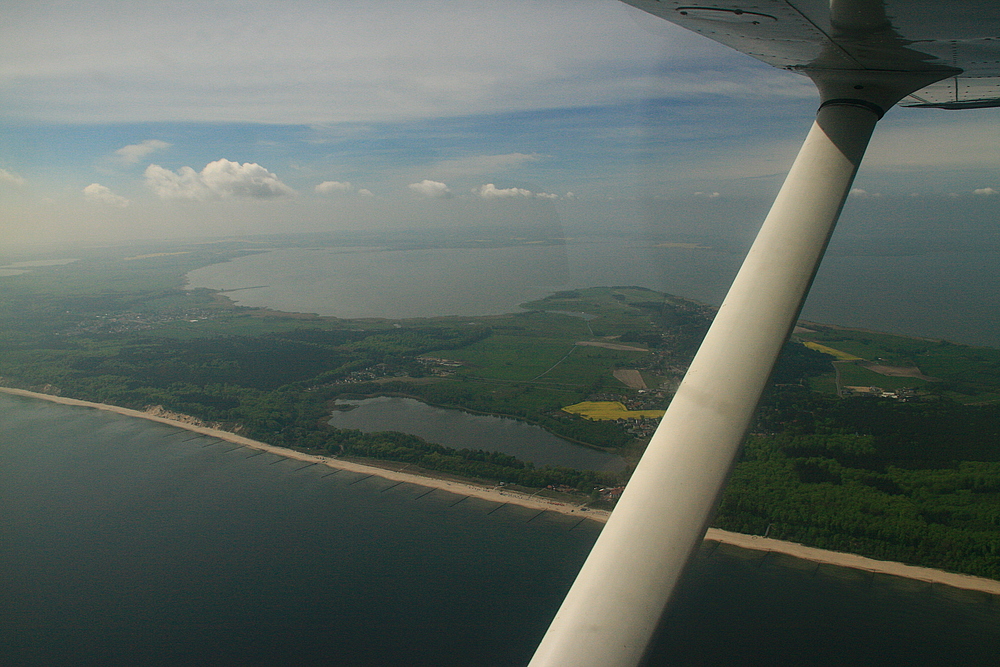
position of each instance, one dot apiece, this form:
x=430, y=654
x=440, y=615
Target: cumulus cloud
x=546, y=195
x=490, y=191
x=365, y=192
x=99, y=194
x=221, y=179
x=330, y=187
x=11, y=177
x=985, y=192
x=707, y=195
x=430, y=189
x=863, y=194
x=134, y=152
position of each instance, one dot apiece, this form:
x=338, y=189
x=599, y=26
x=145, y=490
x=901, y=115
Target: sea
x=129, y=542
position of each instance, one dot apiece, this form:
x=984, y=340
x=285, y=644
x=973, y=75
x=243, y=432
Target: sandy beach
x=495, y=494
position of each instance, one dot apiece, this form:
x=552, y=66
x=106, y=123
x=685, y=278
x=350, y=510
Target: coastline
x=750, y=542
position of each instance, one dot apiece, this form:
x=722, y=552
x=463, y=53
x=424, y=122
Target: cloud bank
x=353, y=60
x=221, y=179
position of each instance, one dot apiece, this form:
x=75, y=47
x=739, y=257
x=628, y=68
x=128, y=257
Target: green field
x=960, y=372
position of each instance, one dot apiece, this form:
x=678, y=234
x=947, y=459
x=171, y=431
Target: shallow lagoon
x=951, y=295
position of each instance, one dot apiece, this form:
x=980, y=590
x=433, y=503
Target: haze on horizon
x=130, y=121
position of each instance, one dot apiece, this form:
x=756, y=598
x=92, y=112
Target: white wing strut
x=615, y=604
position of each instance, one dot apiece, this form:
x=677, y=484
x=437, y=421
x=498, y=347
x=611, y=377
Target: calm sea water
x=454, y=428
x=126, y=542
x=951, y=295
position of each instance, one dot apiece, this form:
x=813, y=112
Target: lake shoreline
x=502, y=496
x=350, y=399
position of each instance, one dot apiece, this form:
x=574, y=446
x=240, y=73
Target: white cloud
x=365, y=192
x=99, y=194
x=985, y=192
x=707, y=195
x=863, y=194
x=546, y=195
x=11, y=177
x=221, y=179
x=185, y=184
x=330, y=187
x=490, y=191
x=430, y=189
x=134, y=152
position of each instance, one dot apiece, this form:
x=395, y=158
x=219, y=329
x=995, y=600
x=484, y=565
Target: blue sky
x=121, y=120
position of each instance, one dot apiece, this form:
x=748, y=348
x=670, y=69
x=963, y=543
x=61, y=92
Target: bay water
x=938, y=294
x=126, y=542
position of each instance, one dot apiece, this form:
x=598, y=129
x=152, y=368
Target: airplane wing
x=900, y=35
x=864, y=56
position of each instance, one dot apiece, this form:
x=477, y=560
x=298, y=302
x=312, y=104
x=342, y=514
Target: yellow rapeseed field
x=604, y=410
x=841, y=356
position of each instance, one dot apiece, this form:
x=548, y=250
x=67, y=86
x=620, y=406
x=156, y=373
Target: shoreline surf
x=493, y=494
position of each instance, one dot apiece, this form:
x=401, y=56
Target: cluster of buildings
x=896, y=394
x=131, y=322
x=371, y=374
x=611, y=494
x=440, y=367
x=642, y=400
x=642, y=427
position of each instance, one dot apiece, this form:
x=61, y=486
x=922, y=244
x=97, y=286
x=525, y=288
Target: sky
x=124, y=120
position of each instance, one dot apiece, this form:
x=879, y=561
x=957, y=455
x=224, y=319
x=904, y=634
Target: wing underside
x=962, y=36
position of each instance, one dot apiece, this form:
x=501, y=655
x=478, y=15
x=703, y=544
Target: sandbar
x=501, y=495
